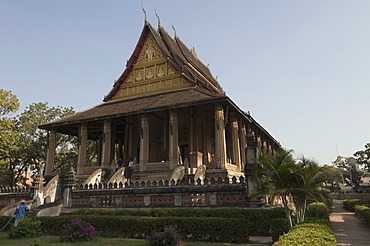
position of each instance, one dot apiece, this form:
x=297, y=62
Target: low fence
x=350, y=196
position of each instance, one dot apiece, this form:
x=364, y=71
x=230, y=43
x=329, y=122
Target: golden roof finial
x=146, y=20
x=159, y=20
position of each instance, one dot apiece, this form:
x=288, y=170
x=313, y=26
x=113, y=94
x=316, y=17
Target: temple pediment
x=151, y=73
x=160, y=63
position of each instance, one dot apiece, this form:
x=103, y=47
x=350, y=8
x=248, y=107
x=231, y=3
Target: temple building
x=166, y=110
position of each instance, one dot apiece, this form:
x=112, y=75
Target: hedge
x=363, y=212
x=312, y=232
x=190, y=228
x=317, y=210
x=350, y=204
x=259, y=220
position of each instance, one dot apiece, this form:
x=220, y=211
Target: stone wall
x=12, y=195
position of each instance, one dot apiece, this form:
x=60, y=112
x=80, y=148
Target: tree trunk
x=287, y=211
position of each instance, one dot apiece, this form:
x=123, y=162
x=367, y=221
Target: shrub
x=363, y=212
x=5, y=222
x=317, y=210
x=167, y=237
x=350, y=204
x=259, y=219
x=77, y=231
x=279, y=226
x=192, y=228
x=314, y=232
x=27, y=227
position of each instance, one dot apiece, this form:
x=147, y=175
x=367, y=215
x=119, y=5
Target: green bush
x=317, y=210
x=190, y=228
x=258, y=219
x=4, y=223
x=314, y=232
x=279, y=226
x=28, y=227
x=350, y=204
x=363, y=212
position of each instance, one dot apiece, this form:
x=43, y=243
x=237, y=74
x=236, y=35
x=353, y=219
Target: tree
x=23, y=145
x=310, y=184
x=275, y=177
x=8, y=103
x=293, y=182
x=33, y=141
x=8, y=139
x=351, y=174
x=363, y=156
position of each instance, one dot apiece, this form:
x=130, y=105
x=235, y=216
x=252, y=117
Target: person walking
x=20, y=212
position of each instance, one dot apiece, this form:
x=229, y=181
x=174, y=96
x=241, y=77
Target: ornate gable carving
x=151, y=74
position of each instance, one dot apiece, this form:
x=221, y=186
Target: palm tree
x=280, y=176
x=275, y=176
x=310, y=184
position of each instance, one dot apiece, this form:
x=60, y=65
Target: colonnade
x=220, y=147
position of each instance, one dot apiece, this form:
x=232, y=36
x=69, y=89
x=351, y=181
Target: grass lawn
x=54, y=240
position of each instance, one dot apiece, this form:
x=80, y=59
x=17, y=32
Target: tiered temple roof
x=195, y=84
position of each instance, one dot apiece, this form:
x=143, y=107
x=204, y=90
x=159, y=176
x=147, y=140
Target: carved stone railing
x=14, y=189
x=220, y=192
x=164, y=183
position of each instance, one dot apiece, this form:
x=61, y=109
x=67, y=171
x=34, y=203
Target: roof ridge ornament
x=174, y=30
x=159, y=20
x=193, y=52
x=146, y=20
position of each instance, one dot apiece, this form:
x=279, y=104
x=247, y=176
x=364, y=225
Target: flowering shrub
x=77, y=231
x=167, y=237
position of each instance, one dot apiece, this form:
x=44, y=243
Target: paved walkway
x=348, y=229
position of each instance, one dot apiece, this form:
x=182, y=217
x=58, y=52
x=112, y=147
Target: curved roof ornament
x=159, y=20
x=146, y=20
x=174, y=30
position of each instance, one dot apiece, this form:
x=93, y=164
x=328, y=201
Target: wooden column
x=107, y=143
x=173, y=140
x=50, y=157
x=235, y=143
x=99, y=146
x=191, y=131
x=220, y=140
x=127, y=140
x=243, y=143
x=82, y=148
x=204, y=139
x=144, y=143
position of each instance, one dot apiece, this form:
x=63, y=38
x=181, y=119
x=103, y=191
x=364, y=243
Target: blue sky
x=301, y=68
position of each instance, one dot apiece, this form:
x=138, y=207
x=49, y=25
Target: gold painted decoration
x=150, y=52
x=129, y=78
x=170, y=70
x=151, y=74
x=160, y=70
x=139, y=74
